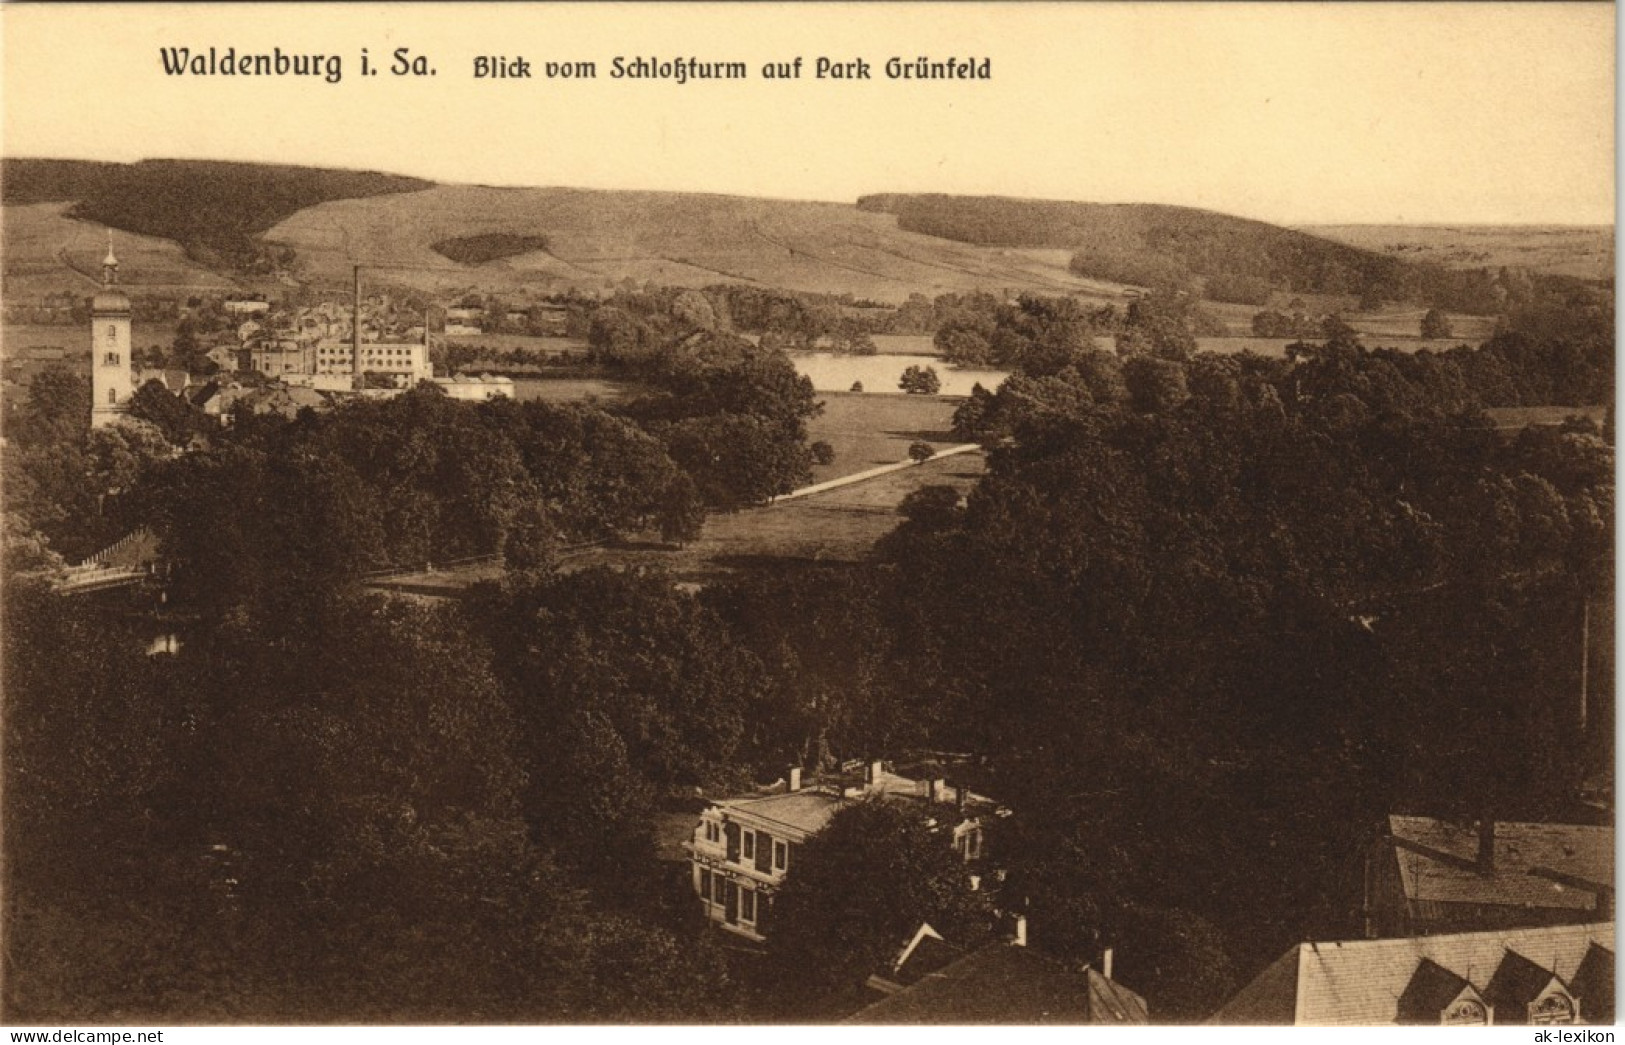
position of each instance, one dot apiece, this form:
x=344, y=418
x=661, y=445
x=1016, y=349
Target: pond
x=879, y=374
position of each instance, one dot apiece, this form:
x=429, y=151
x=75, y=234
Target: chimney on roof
x=959, y=798
x=795, y=778
x=1106, y=963
x=1486, y=845
x=872, y=776
x=1021, y=931
x=937, y=790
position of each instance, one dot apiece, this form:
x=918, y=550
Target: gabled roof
x=1432, y=988
x=1536, y=865
x=1519, y=981
x=1112, y=1003
x=1006, y=984
x=925, y=953
x=1594, y=985
x=1361, y=982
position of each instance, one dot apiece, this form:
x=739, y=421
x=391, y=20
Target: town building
x=743, y=848
x=111, y=380
x=1428, y=875
x=228, y=357
x=1543, y=975
x=279, y=357
x=932, y=982
x=404, y=364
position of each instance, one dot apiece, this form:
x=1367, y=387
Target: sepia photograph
x=838, y=515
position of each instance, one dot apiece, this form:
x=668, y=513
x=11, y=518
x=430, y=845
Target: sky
x=1292, y=113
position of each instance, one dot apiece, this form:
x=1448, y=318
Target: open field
x=1407, y=323
x=596, y=239
x=47, y=251
x=1512, y=418
x=867, y=431
x=835, y=526
x=1400, y=322
x=906, y=344
x=18, y=338
x=1586, y=251
x=1276, y=346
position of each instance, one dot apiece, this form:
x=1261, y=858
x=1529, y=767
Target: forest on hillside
x=214, y=210
x=1225, y=257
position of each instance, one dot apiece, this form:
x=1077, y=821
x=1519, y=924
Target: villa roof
x=809, y=809
x=1365, y=982
x=1006, y=984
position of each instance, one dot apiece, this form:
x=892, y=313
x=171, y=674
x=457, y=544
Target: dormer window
x=1466, y=1013
x=1555, y=1007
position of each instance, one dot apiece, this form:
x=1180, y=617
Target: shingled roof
x=1007, y=984
x=1536, y=865
x=1376, y=982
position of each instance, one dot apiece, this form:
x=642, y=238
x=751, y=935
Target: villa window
x=750, y=845
x=705, y=884
x=781, y=856
x=747, y=905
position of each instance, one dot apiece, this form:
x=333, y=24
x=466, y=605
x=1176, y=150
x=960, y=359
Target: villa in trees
x=743, y=848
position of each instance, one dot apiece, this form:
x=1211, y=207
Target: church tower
x=111, y=385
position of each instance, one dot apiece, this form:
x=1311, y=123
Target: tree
x=932, y=508
x=682, y=511
x=920, y=452
x=822, y=453
x=1155, y=386
x=918, y=380
x=56, y=412
x=178, y=419
x=650, y=660
x=1435, y=325
x=862, y=885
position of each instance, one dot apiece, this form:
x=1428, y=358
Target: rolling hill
x=214, y=210
x=1235, y=259
x=597, y=239
x=1581, y=251
x=201, y=224
x=47, y=251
